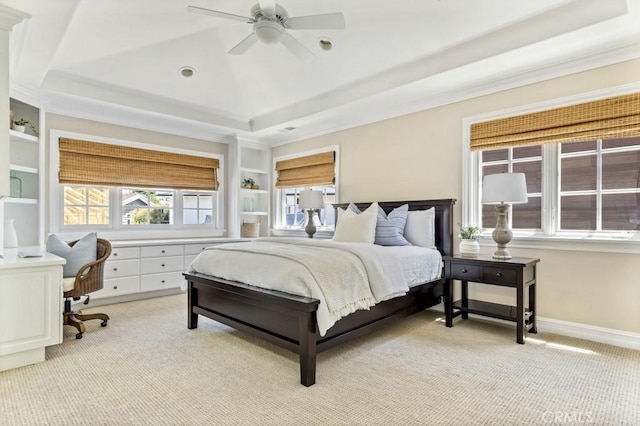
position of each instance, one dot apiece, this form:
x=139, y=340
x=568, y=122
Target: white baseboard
x=609, y=336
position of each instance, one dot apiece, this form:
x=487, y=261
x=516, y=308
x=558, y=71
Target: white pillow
x=419, y=230
x=357, y=228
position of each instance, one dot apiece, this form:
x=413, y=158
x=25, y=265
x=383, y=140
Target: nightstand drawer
x=465, y=272
x=499, y=275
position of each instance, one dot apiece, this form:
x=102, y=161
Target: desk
x=30, y=307
x=518, y=273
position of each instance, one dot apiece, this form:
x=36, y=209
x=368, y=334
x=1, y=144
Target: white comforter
x=345, y=277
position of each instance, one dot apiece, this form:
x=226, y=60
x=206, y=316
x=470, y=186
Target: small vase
x=19, y=128
x=469, y=248
x=10, y=235
x=16, y=185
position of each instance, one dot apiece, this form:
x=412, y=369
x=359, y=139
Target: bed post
x=192, y=317
x=307, y=343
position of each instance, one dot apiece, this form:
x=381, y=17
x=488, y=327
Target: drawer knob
x=115, y=269
x=115, y=254
x=162, y=265
x=162, y=281
x=498, y=274
x=464, y=270
x=163, y=251
x=115, y=287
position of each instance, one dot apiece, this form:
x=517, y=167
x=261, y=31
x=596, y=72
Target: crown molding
x=10, y=17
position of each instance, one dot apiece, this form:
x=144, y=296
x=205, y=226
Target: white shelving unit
x=26, y=162
x=250, y=205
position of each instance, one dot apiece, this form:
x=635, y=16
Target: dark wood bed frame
x=290, y=321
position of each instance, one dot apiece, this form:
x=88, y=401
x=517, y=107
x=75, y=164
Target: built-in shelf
x=24, y=137
x=250, y=170
x=254, y=191
x=26, y=163
x=20, y=201
x=254, y=213
x=23, y=169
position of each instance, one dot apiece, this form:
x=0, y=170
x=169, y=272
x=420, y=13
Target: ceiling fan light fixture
x=268, y=32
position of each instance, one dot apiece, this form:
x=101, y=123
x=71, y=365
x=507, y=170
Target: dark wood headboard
x=443, y=220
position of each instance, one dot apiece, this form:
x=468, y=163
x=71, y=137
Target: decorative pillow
x=82, y=252
x=357, y=228
x=352, y=207
x=420, y=227
x=390, y=228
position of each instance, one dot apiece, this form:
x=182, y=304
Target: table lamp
x=503, y=189
x=310, y=201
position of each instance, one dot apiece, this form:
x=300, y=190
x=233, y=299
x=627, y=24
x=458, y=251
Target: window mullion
x=599, y=185
x=550, y=188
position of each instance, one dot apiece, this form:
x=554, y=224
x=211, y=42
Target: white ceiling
x=119, y=61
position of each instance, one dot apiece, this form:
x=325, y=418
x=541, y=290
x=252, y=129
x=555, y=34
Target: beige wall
x=422, y=156
x=94, y=128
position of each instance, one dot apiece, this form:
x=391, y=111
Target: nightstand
x=518, y=273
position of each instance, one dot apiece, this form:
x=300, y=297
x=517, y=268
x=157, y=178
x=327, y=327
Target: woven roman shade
x=614, y=117
x=92, y=163
x=312, y=170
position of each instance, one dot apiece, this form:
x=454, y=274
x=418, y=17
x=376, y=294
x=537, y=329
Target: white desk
x=31, y=307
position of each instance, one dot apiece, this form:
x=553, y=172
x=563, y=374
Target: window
x=198, y=208
x=85, y=205
x=295, y=218
x=527, y=160
x=597, y=184
x=147, y=206
x=579, y=187
x=309, y=170
x=140, y=211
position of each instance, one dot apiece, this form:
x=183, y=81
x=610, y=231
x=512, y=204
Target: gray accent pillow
x=390, y=228
x=82, y=252
x=420, y=228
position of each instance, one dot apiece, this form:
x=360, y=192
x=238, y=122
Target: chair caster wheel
x=103, y=323
x=79, y=336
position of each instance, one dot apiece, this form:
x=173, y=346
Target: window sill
x=142, y=234
x=629, y=244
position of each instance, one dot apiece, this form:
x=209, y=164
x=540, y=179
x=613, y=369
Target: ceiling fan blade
x=203, y=11
x=297, y=48
x=328, y=21
x=244, y=45
x=268, y=8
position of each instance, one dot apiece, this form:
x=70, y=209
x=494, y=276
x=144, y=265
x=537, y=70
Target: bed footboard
x=281, y=318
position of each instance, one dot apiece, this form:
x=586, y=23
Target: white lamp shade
x=508, y=188
x=311, y=200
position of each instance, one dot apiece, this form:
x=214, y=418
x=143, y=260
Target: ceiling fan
x=270, y=24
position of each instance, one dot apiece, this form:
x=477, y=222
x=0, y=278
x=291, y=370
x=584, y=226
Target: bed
x=291, y=321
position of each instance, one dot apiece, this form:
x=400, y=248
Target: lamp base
x=502, y=254
x=310, y=229
x=502, y=234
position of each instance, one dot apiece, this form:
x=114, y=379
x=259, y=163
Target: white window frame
x=278, y=228
x=115, y=230
x=549, y=237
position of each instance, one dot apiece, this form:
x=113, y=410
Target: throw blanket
x=345, y=277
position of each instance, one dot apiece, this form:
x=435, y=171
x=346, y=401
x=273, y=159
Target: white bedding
x=287, y=267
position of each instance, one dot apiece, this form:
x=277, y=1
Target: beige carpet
x=147, y=368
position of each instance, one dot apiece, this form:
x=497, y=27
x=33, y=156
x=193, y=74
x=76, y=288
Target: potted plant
x=469, y=245
x=21, y=125
x=249, y=183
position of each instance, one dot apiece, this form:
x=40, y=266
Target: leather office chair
x=89, y=278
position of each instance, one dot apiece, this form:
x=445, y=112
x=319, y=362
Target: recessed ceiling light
x=325, y=44
x=187, y=71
